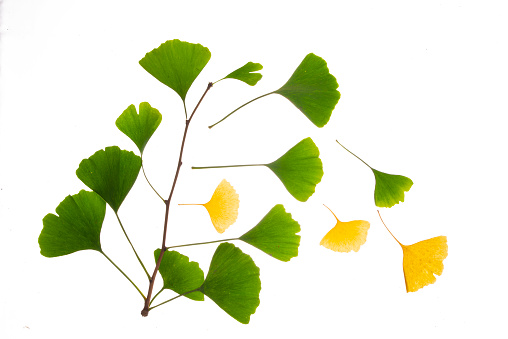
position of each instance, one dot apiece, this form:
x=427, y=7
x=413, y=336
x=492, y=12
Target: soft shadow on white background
x=423, y=95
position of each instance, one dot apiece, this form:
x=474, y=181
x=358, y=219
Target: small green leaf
x=77, y=226
x=275, y=234
x=110, y=173
x=299, y=169
x=233, y=282
x=390, y=188
x=180, y=274
x=312, y=89
x=176, y=64
x=139, y=128
x=245, y=74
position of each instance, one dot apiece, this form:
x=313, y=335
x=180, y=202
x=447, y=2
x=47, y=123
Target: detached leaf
x=176, y=64
x=275, y=234
x=139, y=128
x=110, y=173
x=422, y=260
x=312, y=89
x=299, y=169
x=233, y=282
x=390, y=188
x=346, y=236
x=223, y=206
x=77, y=226
x=245, y=74
x=180, y=274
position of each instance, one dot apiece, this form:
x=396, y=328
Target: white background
x=423, y=89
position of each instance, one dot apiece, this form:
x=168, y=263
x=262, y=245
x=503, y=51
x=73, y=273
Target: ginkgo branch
x=218, y=122
x=132, y=246
x=147, y=308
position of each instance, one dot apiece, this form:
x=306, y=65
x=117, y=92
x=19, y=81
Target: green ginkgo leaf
x=110, y=173
x=299, y=169
x=180, y=274
x=77, y=226
x=390, y=188
x=311, y=88
x=176, y=64
x=139, y=127
x=233, y=282
x=245, y=74
x=275, y=234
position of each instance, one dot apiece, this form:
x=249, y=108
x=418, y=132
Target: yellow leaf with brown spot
x=346, y=236
x=422, y=260
x=223, y=206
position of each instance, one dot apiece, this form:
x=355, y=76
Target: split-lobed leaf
x=390, y=188
x=245, y=73
x=422, y=260
x=77, y=226
x=111, y=173
x=299, y=169
x=223, y=206
x=176, y=64
x=346, y=236
x=233, y=282
x=139, y=127
x=275, y=234
x=180, y=275
x=311, y=88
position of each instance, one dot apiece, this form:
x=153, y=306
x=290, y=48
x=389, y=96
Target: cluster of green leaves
x=233, y=280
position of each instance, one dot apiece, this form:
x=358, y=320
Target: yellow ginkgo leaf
x=223, y=206
x=346, y=236
x=422, y=260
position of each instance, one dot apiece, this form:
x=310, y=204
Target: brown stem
x=146, y=307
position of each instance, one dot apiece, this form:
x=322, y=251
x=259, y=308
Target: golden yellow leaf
x=223, y=206
x=346, y=236
x=422, y=260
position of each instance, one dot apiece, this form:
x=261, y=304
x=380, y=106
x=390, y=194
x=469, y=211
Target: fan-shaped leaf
x=139, y=128
x=390, y=188
x=223, y=206
x=110, y=173
x=275, y=234
x=312, y=89
x=176, y=64
x=245, y=74
x=299, y=169
x=180, y=274
x=233, y=282
x=346, y=236
x=77, y=226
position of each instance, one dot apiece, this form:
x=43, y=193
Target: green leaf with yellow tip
x=275, y=234
x=77, y=226
x=180, y=275
x=245, y=73
x=111, y=173
x=233, y=282
x=176, y=64
x=139, y=127
x=390, y=188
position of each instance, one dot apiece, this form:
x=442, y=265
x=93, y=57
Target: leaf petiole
x=203, y=243
x=178, y=296
x=155, y=296
x=264, y=95
x=148, y=181
x=205, y=167
x=125, y=275
x=353, y=154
